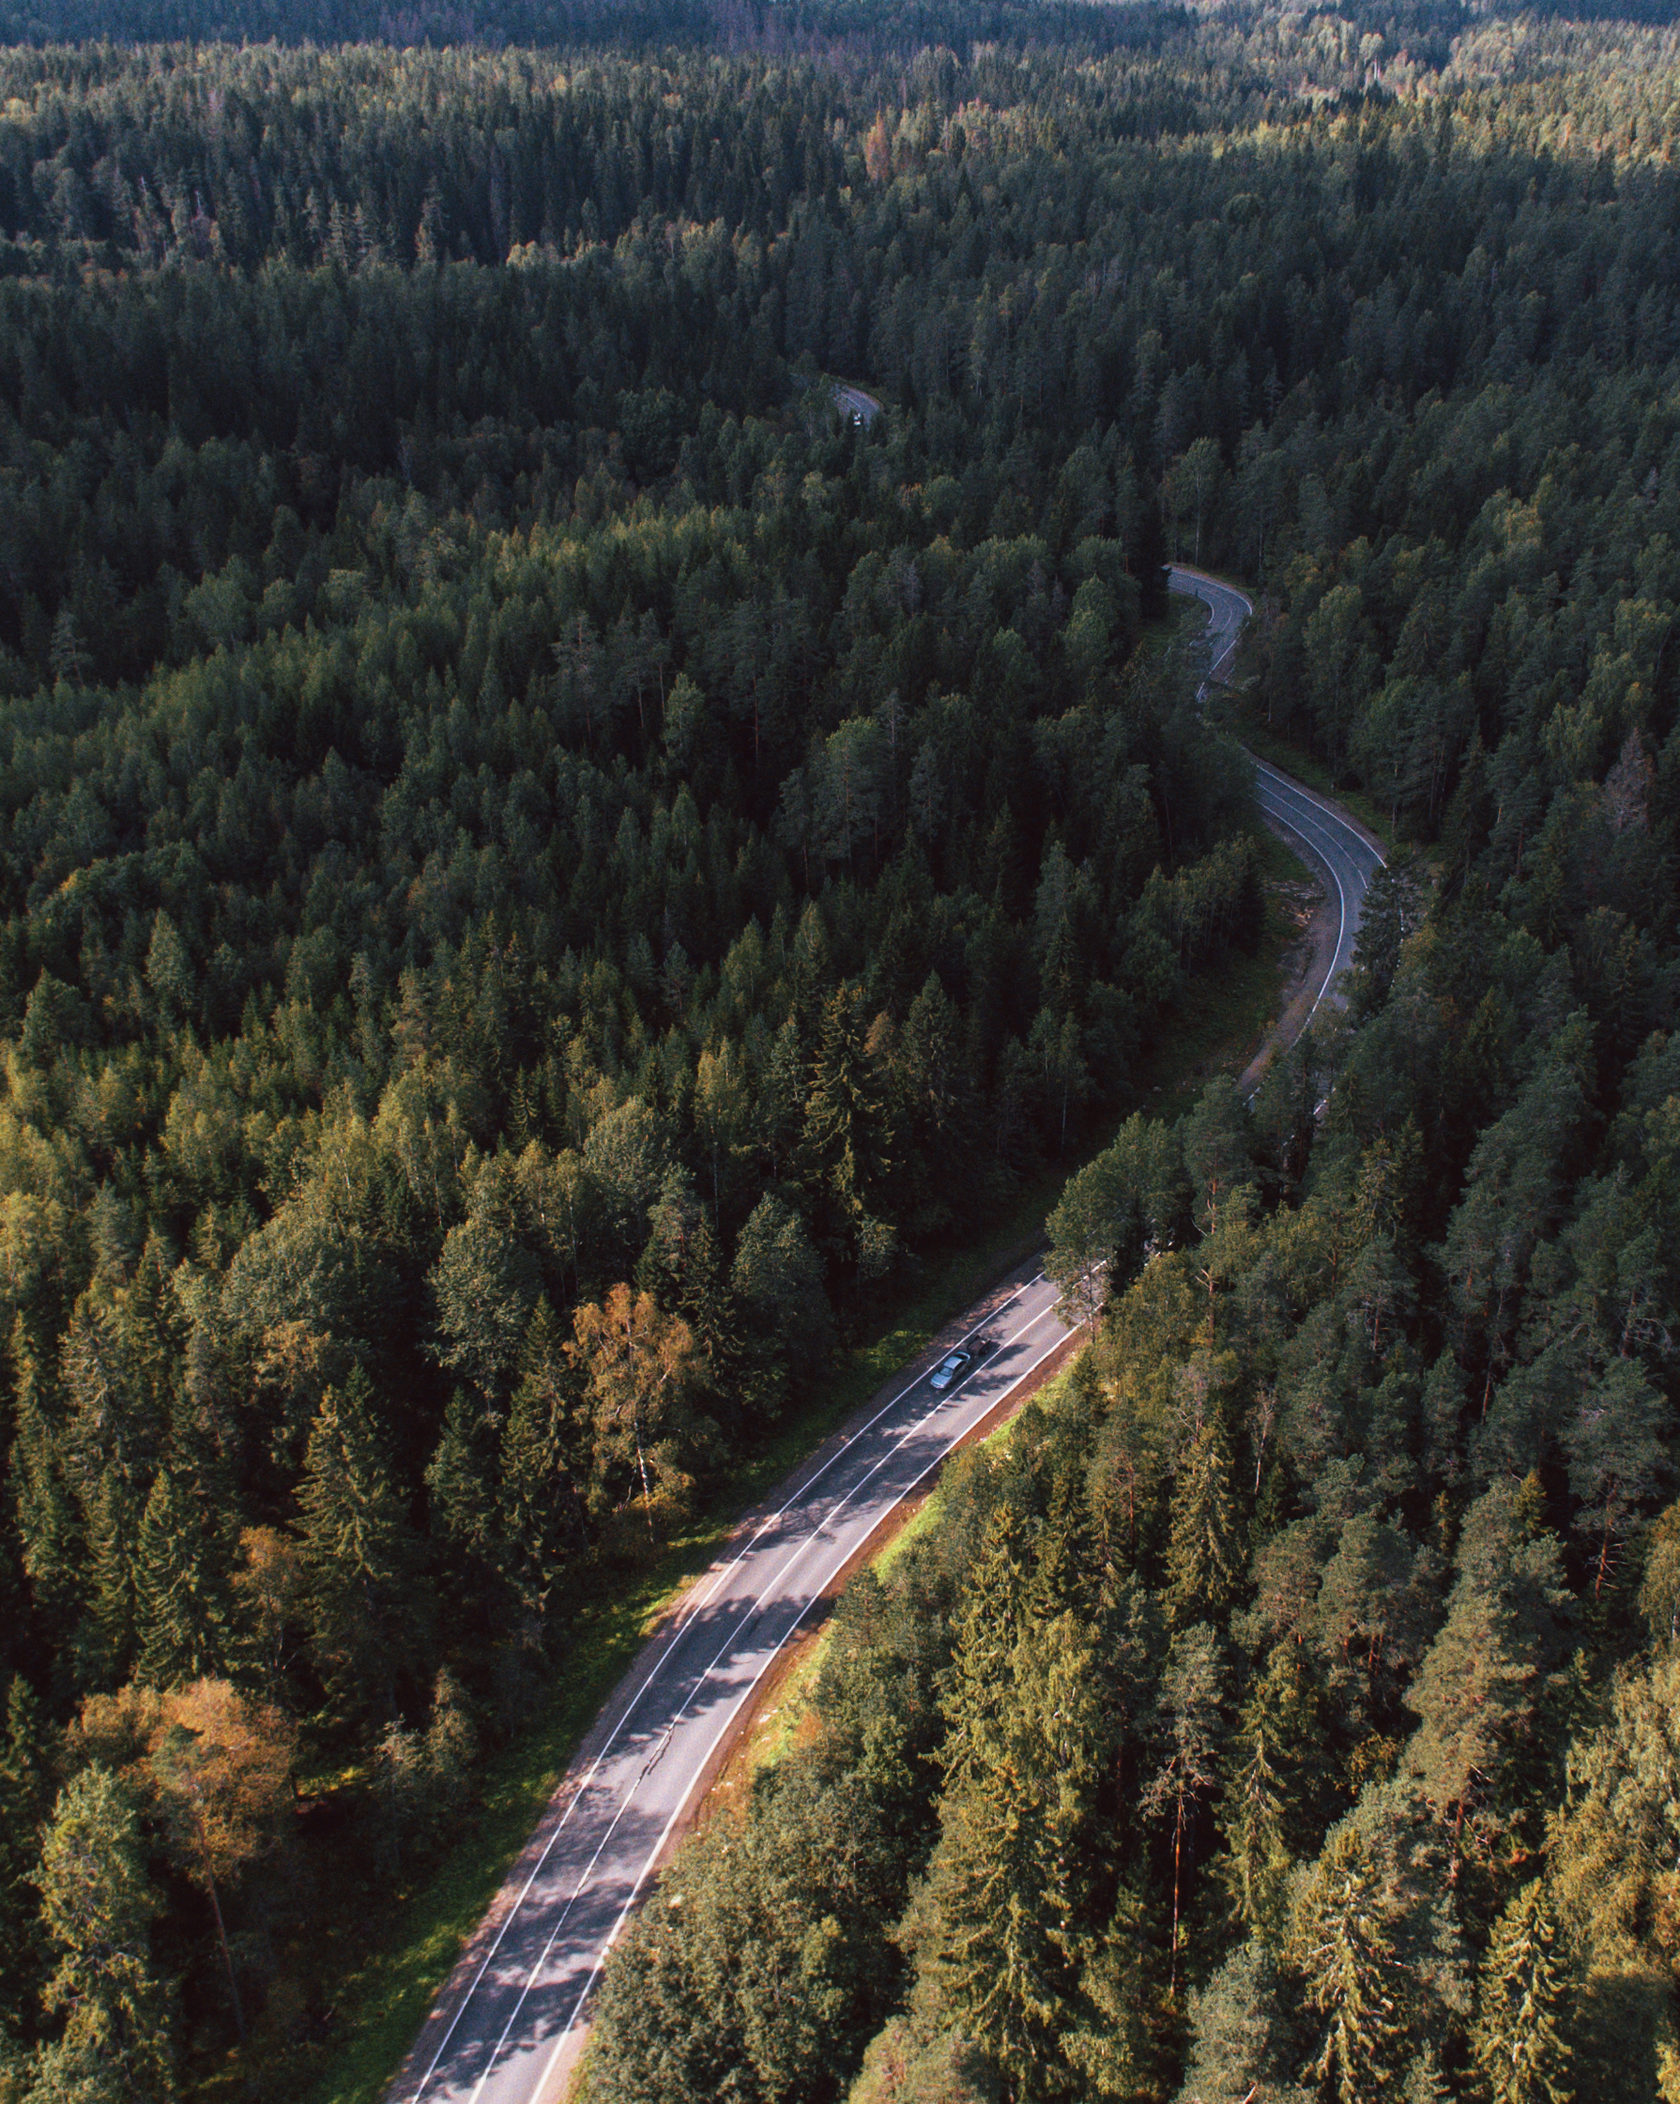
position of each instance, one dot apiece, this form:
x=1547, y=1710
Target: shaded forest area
x=540, y=870
x=1288, y=1710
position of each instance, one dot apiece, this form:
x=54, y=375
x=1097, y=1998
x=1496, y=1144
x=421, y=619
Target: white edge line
x=751, y=1611
x=1324, y=807
x=733, y=1637
x=678, y=1629
x=612, y=1938
x=1326, y=812
x=1341, y=898
x=1303, y=830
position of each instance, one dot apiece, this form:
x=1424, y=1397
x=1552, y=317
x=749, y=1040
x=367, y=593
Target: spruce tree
x=1204, y=1554
x=459, y=1476
x=1522, y=1992
x=357, y=1552
x=1341, y=1944
x=996, y=1923
x=539, y=1513
x=179, y=1610
x=26, y=1755
x=1276, y=1753
x=112, y=1524
x=98, y=1907
x=1192, y=1690
x=845, y=1148
x=1480, y=1682
x=1241, y=2034
x=48, y=1529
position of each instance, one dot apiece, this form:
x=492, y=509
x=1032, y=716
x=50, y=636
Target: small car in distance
x=949, y=1368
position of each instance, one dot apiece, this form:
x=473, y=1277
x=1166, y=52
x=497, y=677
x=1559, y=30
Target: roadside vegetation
x=549, y=884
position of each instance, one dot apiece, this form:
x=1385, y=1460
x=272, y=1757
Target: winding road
x=852, y=401
x=509, y=2024
x=1340, y=853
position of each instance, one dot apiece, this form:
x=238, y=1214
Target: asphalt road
x=507, y=2027
x=853, y=402
x=510, y=2039
x=1339, y=853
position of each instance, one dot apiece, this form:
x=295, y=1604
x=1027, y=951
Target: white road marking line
x=577, y=2007
x=728, y=1643
x=701, y=1600
x=1334, y=831
x=679, y=1629
x=1286, y=785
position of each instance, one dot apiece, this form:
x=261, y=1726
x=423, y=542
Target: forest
x=545, y=874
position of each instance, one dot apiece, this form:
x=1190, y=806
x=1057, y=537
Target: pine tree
x=1522, y=1991
x=1218, y=1149
x=1087, y=1231
x=179, y=1610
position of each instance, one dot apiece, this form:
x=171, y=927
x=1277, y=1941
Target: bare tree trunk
x=1178, y=1840
x=641, y=1464
x=227, y=1956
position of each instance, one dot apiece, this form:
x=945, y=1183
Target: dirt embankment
x=1316, y=922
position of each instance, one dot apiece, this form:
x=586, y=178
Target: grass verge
x=778, y=1728
x=1224, y=1014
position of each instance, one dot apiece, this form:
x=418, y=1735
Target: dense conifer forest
x=544, y=871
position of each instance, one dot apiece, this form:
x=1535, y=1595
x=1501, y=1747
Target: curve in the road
x=1339, y=851
x=857, y=403
x=501, y=2030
